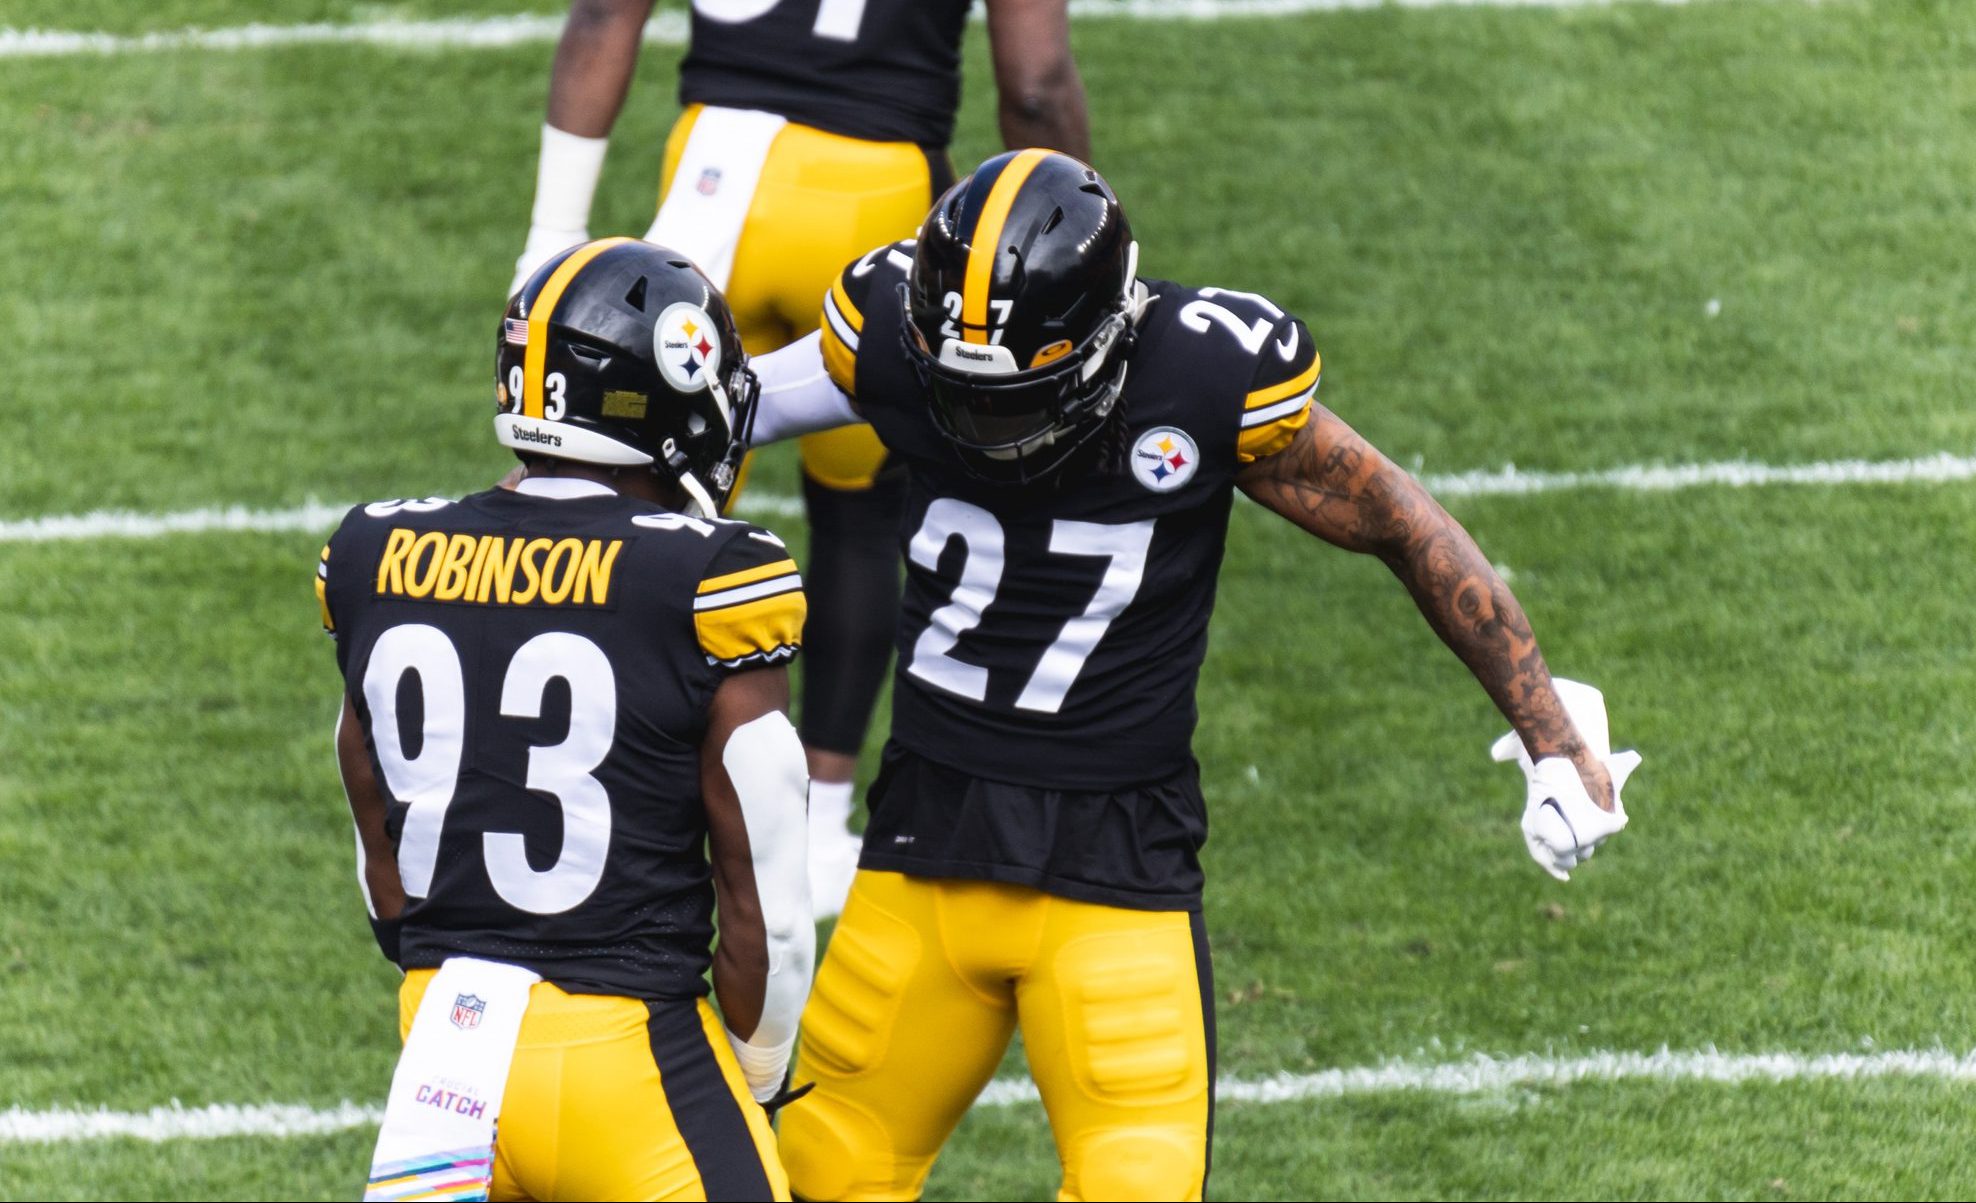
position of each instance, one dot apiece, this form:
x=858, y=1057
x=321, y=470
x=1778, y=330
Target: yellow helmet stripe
x=539, y=314
x=987, y=238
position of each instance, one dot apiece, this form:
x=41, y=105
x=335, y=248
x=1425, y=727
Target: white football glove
x=1562, y=826
x=543, y=243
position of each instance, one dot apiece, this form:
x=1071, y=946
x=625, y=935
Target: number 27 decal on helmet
x=1019, y=312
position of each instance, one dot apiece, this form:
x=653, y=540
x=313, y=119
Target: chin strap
x=682, y=472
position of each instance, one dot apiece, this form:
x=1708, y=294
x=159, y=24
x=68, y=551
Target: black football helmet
x=1019, y=311
x=620, y=353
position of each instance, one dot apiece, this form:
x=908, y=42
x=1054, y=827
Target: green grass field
x=269, y=276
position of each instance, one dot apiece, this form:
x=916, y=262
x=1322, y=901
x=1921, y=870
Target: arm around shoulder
x=800, y=395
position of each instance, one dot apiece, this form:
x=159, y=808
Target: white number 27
x=1124, y=547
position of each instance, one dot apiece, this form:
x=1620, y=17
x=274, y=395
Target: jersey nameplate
x=496, y=570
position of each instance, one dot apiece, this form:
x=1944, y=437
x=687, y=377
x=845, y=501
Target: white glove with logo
x=1561, y=824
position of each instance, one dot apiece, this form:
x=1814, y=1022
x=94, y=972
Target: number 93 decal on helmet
x=621, y=353
x=1019, y=312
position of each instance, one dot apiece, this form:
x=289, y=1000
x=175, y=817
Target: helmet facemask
x=1015, y=425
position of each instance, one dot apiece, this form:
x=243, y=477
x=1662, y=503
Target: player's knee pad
x=854, y=1006
x=833, y=1149
x=1136, y=1023
x=1164, y=1162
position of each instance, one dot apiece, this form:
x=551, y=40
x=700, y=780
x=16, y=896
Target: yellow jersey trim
x=845, y=306
x=768, y=629
x=840, y=360
x=1289, y=388
x=747, y=576
x=1261, y=442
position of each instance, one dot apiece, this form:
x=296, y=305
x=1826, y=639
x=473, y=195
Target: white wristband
x=763, y=1067
x=566, y=179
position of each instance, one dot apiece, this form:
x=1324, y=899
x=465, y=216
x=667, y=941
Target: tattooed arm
x=1339, y=487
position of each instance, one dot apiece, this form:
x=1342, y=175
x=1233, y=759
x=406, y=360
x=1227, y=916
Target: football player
x=1074, y=436
x=813, y=130
x=555, y=698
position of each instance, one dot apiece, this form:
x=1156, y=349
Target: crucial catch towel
x=438, y=1136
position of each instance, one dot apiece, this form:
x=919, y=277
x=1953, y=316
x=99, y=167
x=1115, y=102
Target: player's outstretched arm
x=756, y=786
x=377, y=863
x=1042, y=95
x=798, y=395
x=1337, y=486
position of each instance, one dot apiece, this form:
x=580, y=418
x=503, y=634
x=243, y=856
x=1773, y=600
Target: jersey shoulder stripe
x=868, y=281
x=322, y=592
x=749, y=583
x=1281, y=393
x=750, y=608
x=841, y=325
x=1270, y=397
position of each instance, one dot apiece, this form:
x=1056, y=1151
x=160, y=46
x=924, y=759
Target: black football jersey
x=533, y=674
x=1051, y=637
x=882, y=70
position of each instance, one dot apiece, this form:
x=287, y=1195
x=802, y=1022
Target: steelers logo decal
x=687, y=345
x=1164, y=458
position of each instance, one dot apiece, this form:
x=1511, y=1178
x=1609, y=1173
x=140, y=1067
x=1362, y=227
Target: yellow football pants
x=924, y=982
x=616, y=1098
x=823, y=200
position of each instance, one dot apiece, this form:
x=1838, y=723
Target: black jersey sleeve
x=871, y=280
x=1281, y=392
x=749, y=607
x=338, y=564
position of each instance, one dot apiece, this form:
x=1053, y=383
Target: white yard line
x=1940, y=468
x=666, y=29
x=1476, y=1075
x=1510, y=481
x=319, y=517
x=458, y=32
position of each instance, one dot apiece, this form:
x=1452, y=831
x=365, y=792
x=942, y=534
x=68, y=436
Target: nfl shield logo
x=709, y=181
x=467, y=1010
